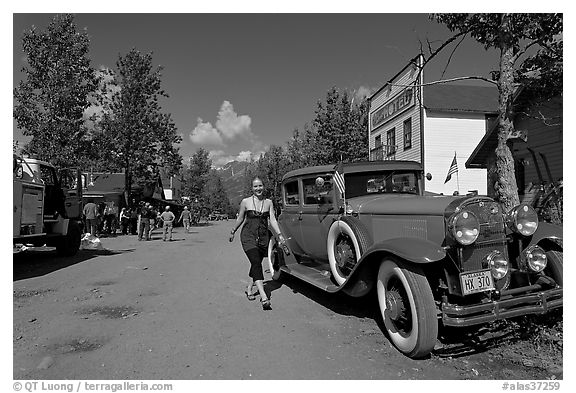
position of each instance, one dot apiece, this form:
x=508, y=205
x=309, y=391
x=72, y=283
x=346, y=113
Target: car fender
x=410, y=249
x=548, y=234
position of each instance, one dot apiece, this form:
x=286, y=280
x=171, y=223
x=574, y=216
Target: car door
x=289, y=219
x=71, y=182
x=318, y=212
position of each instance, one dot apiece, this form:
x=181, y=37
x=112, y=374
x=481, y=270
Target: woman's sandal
x=250, y=296
x=266, y=304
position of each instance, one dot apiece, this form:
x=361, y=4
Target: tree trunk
x=127, y=185
x=506, y=190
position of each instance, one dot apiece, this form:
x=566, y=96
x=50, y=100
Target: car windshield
x=389, y=182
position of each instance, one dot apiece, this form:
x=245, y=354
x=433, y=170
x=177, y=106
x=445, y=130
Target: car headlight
x=465, y=227
x=498, y=265
x=534, y=258
x=523, y=219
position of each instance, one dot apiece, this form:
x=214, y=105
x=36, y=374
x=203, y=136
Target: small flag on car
x=453, y=169
x=339, y=177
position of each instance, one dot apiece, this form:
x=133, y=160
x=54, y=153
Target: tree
x=196, y=176
x=52, y=99
x=530, y=48
x=215, y=194
x=137, y=136
x=271, y=166
x=294, y=151
x=340, y=130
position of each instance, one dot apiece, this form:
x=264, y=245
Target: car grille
x=492, y=235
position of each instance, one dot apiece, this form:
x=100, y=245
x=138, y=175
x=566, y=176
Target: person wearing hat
x=185, y=217
x=167, y=218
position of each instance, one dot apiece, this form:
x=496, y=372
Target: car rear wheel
x=275, y=258
x=407, y=306
x=348, y=239
x=555, y=266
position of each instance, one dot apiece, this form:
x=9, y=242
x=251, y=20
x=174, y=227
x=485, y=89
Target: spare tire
x=348, y=239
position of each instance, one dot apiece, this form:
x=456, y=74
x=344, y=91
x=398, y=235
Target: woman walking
x=256, y=212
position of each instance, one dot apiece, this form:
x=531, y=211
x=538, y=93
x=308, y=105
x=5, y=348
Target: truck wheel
x=407, y=307
x=68, y=245
x=555, y=265
x=275, y=258
x=348, y=239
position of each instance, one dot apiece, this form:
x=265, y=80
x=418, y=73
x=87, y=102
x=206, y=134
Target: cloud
x=231, y=125
x=205, y=134
x=363, y=92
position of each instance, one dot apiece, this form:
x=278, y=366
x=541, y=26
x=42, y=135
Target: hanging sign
x=393, y=107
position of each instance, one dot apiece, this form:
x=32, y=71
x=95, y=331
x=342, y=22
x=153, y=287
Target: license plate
x=476, y=282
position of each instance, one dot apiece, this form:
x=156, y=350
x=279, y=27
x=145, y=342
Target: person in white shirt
x=167, y=218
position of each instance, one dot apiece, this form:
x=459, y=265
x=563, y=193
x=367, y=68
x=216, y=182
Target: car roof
x=355, y=167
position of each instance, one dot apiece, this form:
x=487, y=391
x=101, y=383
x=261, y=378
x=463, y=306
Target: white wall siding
x=444, y=134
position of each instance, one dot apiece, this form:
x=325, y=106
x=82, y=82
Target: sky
x=241, y=82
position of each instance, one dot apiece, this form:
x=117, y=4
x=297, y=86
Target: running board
x=312, y=276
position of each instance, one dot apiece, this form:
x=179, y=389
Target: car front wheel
x=555, y=266
x=407, y=306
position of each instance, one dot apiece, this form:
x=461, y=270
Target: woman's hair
x=256, y=178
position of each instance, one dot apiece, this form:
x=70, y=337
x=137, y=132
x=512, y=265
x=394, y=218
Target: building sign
x=393, y=107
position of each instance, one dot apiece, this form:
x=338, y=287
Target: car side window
x=291, y=193
x=318, y=192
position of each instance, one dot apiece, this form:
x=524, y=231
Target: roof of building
x=461, y=98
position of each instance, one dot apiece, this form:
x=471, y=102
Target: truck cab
x=47, y=204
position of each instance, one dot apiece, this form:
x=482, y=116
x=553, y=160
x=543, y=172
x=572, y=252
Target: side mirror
x=428, y=176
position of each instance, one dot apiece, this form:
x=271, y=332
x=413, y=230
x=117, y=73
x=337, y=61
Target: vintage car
x=431, y=259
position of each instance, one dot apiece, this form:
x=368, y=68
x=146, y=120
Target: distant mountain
x=232, y=175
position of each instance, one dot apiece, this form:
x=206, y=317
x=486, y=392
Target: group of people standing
x=139, y=220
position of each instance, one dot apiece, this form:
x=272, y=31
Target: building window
x=391, y=142
x=407, y=133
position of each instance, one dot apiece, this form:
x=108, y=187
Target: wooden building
x=430, y=125
x=537, y=151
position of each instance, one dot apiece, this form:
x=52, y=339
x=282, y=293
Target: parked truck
x=47, y=205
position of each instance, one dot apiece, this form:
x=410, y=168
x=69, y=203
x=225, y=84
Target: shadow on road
x=340, y=303
x=31, y=264
x=452, y=342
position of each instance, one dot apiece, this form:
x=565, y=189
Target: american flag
x=453, y=169
x=339, y=177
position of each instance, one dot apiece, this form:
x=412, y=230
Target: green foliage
x=136, y=135
x=196, y=176
x=52, y=99
x=214, y=194
x=535, y=39
x=340, y=130
x=271, y=166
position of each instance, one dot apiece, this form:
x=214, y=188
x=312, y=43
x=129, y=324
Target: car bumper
x=533, y=303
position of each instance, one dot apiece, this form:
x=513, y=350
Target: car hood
x=404, y=204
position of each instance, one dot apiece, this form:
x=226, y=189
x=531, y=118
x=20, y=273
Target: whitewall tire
x=408, y=308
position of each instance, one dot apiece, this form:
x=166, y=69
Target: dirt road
x=176, y=310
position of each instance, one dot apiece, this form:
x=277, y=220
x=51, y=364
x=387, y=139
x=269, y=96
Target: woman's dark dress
x=254, y=238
